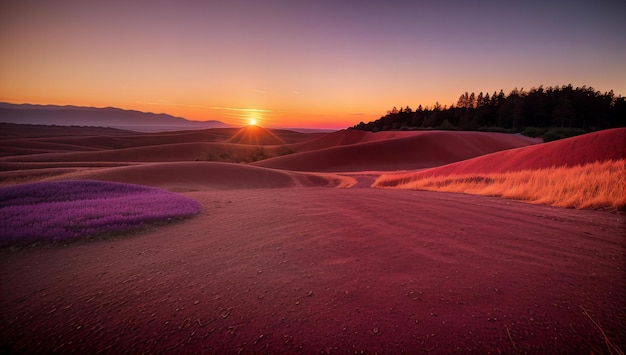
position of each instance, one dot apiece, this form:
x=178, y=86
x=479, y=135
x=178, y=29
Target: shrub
x=559, y=133
x=534, y=132
x=67, y=210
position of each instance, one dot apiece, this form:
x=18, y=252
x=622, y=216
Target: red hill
x=597, y=146
x=360, y=151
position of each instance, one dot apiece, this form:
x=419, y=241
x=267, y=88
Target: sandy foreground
x=296, y=253
x=325, y=270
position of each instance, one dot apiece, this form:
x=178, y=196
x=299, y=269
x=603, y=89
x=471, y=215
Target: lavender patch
x=67, y=210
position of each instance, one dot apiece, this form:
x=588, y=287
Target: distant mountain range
x=99, y=117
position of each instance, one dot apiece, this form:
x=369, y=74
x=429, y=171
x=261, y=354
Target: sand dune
x=278, y=263
x=108, y=138
x=13, y=130
x=115, y=140
x=230, y=145
x=185, y=176
x=330, y=140
x=346, y=150
x=28, y=147
x=12, y=173
x=349, y=137
x=255, y=135
x=18, y=166
x=208, y=151
x=357, y=151
x=597, y=146
x=581, y=172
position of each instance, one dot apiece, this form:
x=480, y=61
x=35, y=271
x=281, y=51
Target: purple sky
x=301, y=63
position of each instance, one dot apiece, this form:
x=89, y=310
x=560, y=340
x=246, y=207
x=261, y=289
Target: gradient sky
x=318, y=63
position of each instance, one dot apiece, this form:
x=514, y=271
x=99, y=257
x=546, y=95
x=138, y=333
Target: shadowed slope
x=208, y=175
x=32, y=139
x=349, y=137
x=330, y=140
x=30, y=136
x=199, y=151
x=359, y=151
x=15, y=130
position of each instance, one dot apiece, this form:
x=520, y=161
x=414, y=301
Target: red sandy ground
x=317, y=269
x=275, y=264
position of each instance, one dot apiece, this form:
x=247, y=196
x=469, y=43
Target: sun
x=252, y=122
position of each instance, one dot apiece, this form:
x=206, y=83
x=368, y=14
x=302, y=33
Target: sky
x=296, y=63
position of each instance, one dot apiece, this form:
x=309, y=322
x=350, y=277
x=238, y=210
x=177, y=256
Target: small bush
x=534, y=132
x=494, y=129
x=559, y=133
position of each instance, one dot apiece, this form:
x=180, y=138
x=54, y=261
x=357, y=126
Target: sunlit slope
x=359, y=151
x=256, y=135
x=582, y=172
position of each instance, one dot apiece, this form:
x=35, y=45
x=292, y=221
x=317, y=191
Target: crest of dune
x=581, y=172
x=255, y=135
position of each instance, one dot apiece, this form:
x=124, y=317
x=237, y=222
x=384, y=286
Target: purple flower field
x=67, y=210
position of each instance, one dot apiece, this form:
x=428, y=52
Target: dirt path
x=364, y=180
x=314, y=269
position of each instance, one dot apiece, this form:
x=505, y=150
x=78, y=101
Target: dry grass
x=595, y=185
x=613, y=349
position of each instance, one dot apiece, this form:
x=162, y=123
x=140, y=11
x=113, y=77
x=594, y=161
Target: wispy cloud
x=239, y=109
x=259, y=91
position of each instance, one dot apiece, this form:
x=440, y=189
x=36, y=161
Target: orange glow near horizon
x=298, y=64
x=255, y=135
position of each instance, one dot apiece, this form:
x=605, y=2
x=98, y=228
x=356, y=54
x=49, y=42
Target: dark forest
x=551, y=113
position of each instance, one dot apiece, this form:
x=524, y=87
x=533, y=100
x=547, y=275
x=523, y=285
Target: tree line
x=551, y=112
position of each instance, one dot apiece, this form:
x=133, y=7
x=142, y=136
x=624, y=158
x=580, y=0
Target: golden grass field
x=595, y=185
